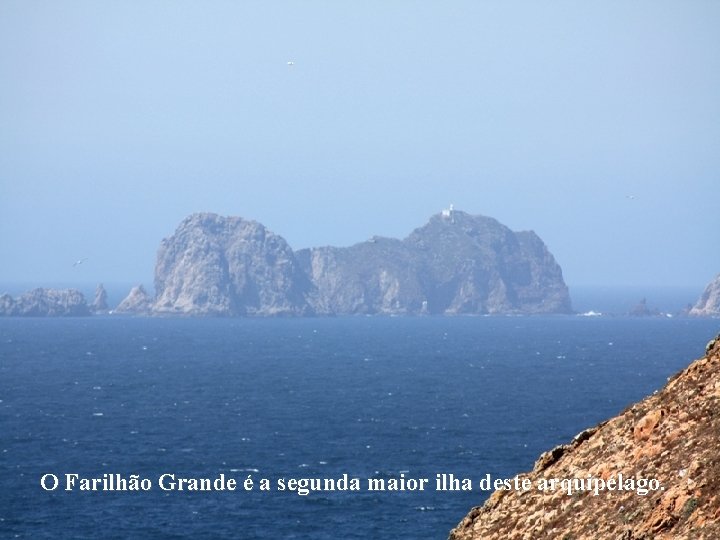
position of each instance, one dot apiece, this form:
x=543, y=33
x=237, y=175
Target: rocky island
x=671, y=436
x=455, y=264
x=45, y=303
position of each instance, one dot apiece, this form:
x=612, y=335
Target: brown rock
x=672, y=437
x=644, y=428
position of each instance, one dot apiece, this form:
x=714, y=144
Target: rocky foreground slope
x=455, y=264
x=672, y=436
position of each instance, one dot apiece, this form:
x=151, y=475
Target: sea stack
x=99, y=304
x=137, y=302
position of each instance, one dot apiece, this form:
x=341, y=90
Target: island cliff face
x=709, y=303
x=455, y=264
x=672, y=436
x=216, y=265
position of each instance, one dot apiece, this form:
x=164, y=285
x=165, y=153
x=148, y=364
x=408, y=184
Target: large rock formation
x=708, y=305
x=216, y=265
x=672, y=436
x=477, y=265
x=45, y=303
x=455, y=264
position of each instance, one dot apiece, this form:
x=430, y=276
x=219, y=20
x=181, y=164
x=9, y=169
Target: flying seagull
x=290, y=63
x=80, y=261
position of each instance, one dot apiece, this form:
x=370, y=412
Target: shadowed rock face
x=45, y=303
x=672, y=436
x=455, y=264
x=708, y=305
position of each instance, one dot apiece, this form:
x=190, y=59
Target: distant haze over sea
x=620, y=300
x=604, y=299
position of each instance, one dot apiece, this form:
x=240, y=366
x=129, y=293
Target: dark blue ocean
x=372, y=397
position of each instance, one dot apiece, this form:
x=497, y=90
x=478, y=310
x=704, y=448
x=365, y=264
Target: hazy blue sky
x=117, y=119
